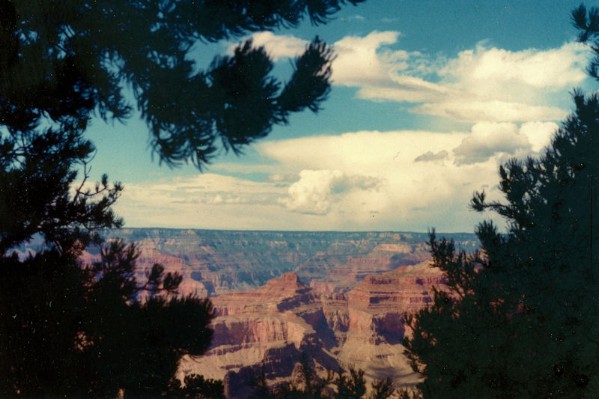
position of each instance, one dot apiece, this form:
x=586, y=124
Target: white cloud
x=483, y=68
x=406, y=89
x=491, y=111
x=483, y=84
x=367, y=180
x=488, y=139
x=393, y=191
x=539, y=133
x=364, y=61
x=372, y=180
x=207, y=200
x=316, y=190
x=278, y=46
x=354, y=18
x=478, y=85
x=501, y=140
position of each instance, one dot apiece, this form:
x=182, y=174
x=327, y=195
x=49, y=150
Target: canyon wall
x=267, y=330
x=215, y=262
x=339, y=298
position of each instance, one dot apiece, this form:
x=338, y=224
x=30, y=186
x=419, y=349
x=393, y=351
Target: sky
x=428, y=99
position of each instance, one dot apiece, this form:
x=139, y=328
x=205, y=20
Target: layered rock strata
x=220, y=262
x=268, y=329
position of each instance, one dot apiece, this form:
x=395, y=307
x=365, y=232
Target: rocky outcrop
x=407, y=288
x=267, y=329
x=263, y=330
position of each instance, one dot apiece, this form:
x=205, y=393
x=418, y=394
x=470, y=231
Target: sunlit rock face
x=266, y=329
x=269, y=328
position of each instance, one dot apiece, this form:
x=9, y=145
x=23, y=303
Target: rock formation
x=267, y=329
x=219, y=262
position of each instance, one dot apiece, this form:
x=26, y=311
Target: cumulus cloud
x=488, y=140
x=373, y=180
x=539, y=133
x=316, y=190
x=483, y=84
x=486, y=68
x=477, y=85
x=358, y=63
x=389, y=190
x=367, y=180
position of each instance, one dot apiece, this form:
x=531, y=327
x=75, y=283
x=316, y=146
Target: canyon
x=216, y=262
x=338, y=299
x=269, y=329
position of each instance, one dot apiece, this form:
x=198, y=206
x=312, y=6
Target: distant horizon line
x=290, y=231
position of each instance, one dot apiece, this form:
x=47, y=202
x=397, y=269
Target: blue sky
x=428, y=98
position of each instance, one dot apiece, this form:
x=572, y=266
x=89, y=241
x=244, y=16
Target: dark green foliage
x=73, y=331
x=196, y=387
x=313, y=385
x=382, y=389
x=346, y=384
x=37, y=171
x=350, y=386
x=409, y=394
x=139, y=342
x=40, y=311
x=309, y=385
x=521, y=317
x=587, y=23
x=69, y=329
x=77, y=57
x=260, y=387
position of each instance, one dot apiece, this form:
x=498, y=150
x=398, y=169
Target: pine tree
x=520, y=317
x=351, y=384
x=70, y=329
x=73, y=59
x=382, y=389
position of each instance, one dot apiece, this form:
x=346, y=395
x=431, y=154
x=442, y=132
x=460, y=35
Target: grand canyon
x=339, y=298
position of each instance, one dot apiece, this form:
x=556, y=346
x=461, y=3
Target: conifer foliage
x=521, y=316
x=75, y=328
x=76, y=57
x=342, y=384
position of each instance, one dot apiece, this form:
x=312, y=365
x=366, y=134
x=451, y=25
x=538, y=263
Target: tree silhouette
x=587, y=23
x=382, y=389
x=197, y=387
x=74, y=329
x=77, y=57
x=69, y=328
x=348, y=383
x=520, y=317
